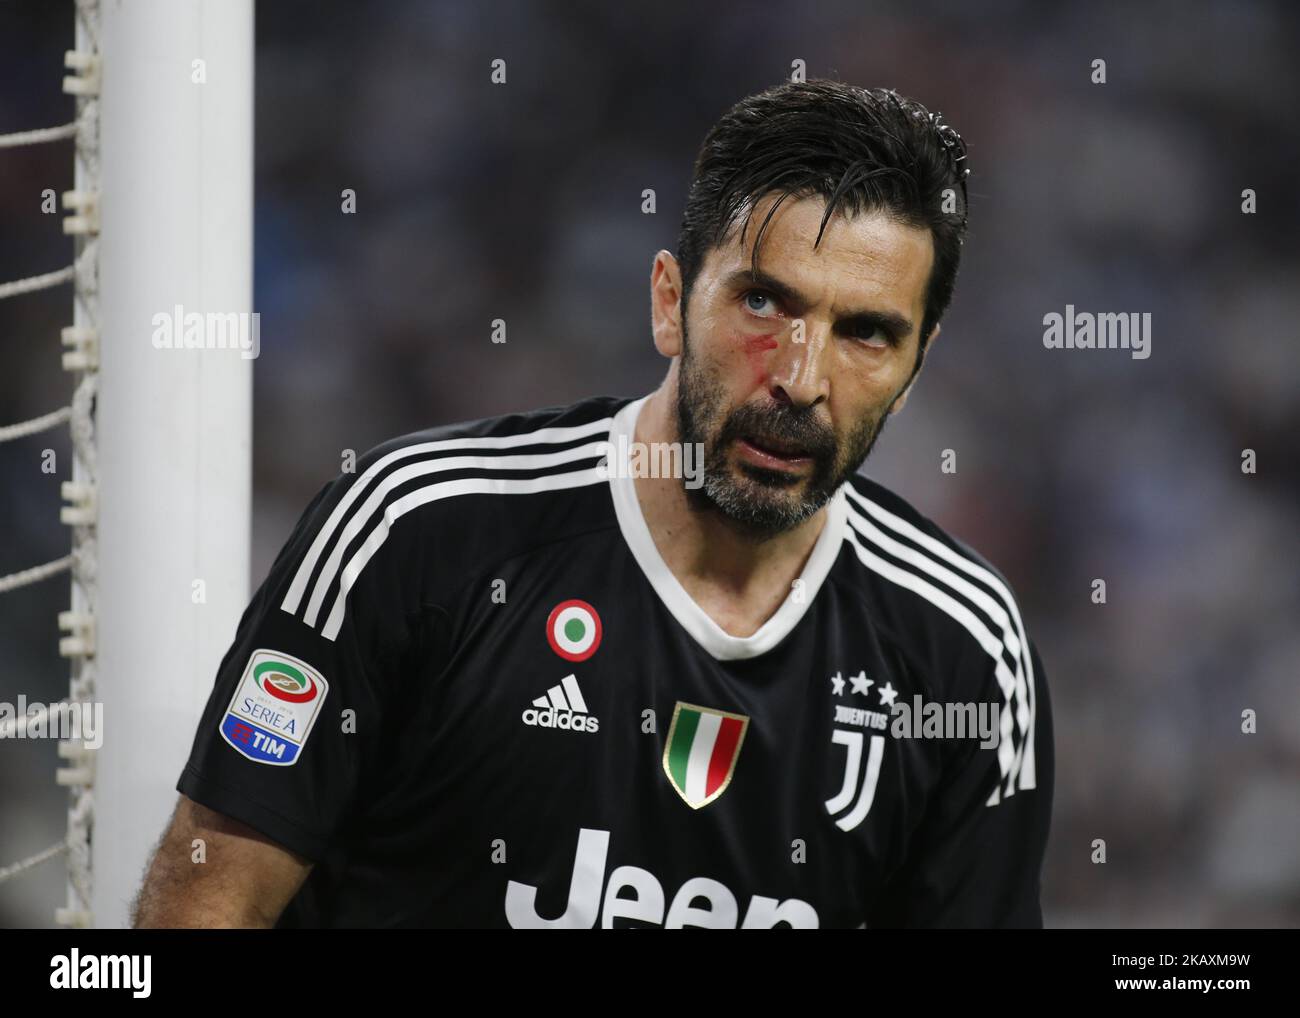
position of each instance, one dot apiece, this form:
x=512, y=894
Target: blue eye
x=758, y=295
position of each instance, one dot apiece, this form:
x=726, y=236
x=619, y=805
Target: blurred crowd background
x=523, y=202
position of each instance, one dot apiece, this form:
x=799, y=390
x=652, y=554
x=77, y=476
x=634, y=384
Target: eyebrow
x=900, y=325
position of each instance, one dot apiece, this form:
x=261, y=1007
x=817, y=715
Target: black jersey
x=472, y=692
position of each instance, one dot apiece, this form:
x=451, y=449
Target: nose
x=799, y=372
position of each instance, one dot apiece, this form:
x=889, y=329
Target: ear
x=901, y=400
x=666, y=304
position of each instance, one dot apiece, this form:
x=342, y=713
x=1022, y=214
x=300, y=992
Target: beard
x=761, y=503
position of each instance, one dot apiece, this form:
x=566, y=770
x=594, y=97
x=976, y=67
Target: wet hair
x=859, y=149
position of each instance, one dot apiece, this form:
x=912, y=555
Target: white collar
x=707, y=633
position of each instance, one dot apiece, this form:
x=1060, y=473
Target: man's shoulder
x=553, y=426
x=433, y=470
x=458, y=494
x=934, y=592
x=873, y=506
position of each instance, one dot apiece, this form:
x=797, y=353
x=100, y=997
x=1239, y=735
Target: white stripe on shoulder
x=542, y=436
x=431, y=493
x=1007, y=617
x=977, y=596
x=360, y=519
x=963, y=615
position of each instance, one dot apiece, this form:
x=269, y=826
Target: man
x=510, y=674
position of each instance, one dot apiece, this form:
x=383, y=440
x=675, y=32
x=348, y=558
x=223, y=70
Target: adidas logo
x=562, y=707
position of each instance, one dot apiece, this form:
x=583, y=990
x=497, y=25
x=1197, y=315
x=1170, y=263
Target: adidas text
x=552, y=718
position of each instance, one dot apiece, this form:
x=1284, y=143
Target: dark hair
x=870, y=149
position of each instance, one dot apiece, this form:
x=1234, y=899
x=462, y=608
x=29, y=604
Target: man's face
x=786, y=382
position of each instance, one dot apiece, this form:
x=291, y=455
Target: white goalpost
x=158, y=493
x=173, y=427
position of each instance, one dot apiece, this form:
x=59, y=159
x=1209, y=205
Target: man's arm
x=295, y=719
x=244, y=879
x=973, y=864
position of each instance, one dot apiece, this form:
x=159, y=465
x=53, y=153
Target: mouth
x=773, y=453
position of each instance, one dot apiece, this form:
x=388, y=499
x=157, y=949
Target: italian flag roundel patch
x=573, y=630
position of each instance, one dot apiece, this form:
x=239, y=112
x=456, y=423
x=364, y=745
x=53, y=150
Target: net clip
x=83, y=505
x=82, y=771
x=81, y=629
x=86, y=80
x=84, y=352
x=86, y=205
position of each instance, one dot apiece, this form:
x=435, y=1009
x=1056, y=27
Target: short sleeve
x=291, y=727
x=976, y=859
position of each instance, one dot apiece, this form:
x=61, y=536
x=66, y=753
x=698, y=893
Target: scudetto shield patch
x=701, y=751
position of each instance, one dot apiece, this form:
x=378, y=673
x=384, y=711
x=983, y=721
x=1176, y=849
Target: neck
x=708, y=555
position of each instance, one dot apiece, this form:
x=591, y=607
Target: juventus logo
x=850, y=792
